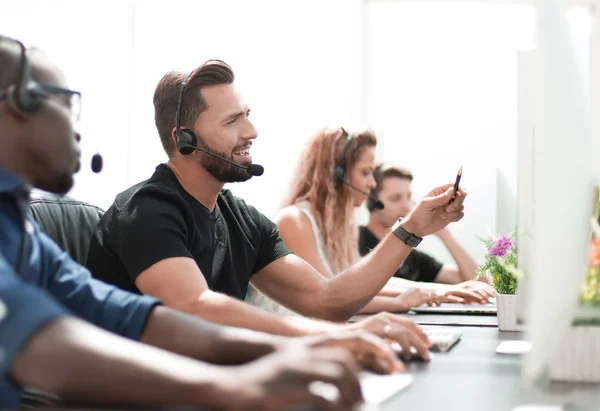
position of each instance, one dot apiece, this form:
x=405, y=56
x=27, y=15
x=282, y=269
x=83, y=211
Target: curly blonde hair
x=330, y=200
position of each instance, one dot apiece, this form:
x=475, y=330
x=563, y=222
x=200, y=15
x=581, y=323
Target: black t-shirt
x=418, y=266
x=157, y=219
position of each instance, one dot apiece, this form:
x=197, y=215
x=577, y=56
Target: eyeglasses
x=70, y=99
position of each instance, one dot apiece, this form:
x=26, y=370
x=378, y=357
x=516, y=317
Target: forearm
x=225, y=310
x=82, y=363
x=350, y=291
x=465, y=262
x=391, y=290
x=379, y=304
x=191, y=336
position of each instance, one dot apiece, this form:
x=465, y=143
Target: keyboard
x=442, y=339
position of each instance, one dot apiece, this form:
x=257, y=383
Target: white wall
x=436, y=80
x=443, y=93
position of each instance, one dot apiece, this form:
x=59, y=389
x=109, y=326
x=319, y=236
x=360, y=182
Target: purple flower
x=501, y=246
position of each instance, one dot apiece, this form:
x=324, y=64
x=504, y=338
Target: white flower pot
x=507, y=312
x=578, y=358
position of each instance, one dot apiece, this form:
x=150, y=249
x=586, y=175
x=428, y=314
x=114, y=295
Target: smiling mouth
x=242, y=152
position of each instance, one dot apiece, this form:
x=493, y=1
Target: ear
x=174, y=137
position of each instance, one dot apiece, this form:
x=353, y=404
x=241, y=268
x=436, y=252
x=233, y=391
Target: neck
x=198, y=182
x=378, y=228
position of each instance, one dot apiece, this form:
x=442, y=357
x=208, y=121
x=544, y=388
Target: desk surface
x=471, y=376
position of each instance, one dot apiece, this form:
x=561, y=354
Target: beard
x=60, y=184
x=219, y=169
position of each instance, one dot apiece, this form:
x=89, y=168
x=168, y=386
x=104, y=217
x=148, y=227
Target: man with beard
x=180, y=237
x=63, y=332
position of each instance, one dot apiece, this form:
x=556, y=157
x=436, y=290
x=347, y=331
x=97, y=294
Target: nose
x=250, y=132
x=371, y=183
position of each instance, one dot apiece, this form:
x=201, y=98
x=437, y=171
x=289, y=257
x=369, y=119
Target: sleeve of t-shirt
x=24, y=310
x=104, y=305
x=149, y=229
x=271, y=245
x=429, y=267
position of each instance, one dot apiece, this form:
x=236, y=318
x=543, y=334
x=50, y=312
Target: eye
x=232, y=120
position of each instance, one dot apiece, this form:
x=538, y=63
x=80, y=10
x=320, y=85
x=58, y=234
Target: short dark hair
x=167, y=91
x=383, y=171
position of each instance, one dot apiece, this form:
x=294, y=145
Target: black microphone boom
x=377, y=203
x=252, y=169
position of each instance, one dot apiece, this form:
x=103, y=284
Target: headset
x=27, y=96
x=186, y=139
x=339, y=170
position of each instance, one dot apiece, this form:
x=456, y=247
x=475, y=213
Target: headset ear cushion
x=31, y=100
x=339, y=172
x=186, y=141
x=13, y=103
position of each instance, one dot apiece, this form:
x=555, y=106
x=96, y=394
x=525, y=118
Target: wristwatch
x=407, y=238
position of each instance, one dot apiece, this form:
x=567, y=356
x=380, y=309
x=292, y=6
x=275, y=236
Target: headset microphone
x=252, y=169
x=96, y=163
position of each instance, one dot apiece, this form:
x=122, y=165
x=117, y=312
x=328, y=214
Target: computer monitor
x=557, y=209
x=527, y=87
x=506, y=203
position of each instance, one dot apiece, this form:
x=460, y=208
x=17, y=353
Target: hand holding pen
x=456, y=184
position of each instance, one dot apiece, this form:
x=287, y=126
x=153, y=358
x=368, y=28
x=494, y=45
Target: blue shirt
x=47, y=284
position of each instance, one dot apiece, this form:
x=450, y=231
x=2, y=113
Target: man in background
x=393, y=188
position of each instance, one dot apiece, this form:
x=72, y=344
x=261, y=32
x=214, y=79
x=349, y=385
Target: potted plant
x=500, y=267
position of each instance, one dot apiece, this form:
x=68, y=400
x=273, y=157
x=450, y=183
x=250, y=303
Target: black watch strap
x=407, y=238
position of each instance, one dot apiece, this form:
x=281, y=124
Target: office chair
x=70, y=223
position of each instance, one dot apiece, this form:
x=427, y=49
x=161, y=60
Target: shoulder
x=292, y=219
x=152, y=197
x=147, y=208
